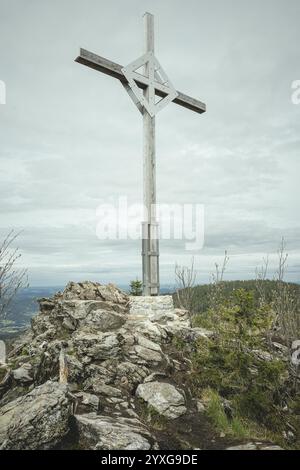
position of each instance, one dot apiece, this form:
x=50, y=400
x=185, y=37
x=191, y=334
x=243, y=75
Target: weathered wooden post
x=150, y=243
x=63, y=367
x=153, y=83
x=2, y=353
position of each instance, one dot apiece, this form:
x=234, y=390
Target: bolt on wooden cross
x=155, y=85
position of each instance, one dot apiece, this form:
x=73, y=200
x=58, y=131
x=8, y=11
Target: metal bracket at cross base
x=150, y=257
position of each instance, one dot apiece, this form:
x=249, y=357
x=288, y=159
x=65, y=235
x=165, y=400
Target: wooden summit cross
x=144, y=89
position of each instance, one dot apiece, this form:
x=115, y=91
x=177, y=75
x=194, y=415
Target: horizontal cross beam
x=113, y=69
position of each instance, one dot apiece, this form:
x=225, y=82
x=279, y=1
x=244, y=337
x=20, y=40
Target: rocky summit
x=98, y=370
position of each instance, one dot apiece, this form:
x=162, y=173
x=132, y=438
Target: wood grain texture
x=152, y=83
x=113, y=69
x=151, y=261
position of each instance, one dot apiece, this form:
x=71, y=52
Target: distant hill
x=25, y=306
x=203, y=292
x=22, y=309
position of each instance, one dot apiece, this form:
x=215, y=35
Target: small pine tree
x=136, y=287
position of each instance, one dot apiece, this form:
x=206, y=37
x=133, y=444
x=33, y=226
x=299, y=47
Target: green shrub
x=228, y=366
x=136, y=287
x=235, y=426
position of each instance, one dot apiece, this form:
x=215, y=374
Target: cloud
x=71, y=138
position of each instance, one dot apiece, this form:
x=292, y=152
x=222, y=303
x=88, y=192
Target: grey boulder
x=37, y=420
x=255, y=446
x=163, y=397
x=108, y=433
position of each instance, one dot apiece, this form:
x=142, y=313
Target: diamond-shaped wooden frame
x=157, y=80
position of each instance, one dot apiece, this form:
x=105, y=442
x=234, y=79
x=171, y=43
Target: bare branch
x=185, y=278
x=217, y=282
x=12, y=279
x=260, y=278
x=287, y=309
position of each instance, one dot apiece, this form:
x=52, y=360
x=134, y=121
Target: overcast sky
x=71, y=139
